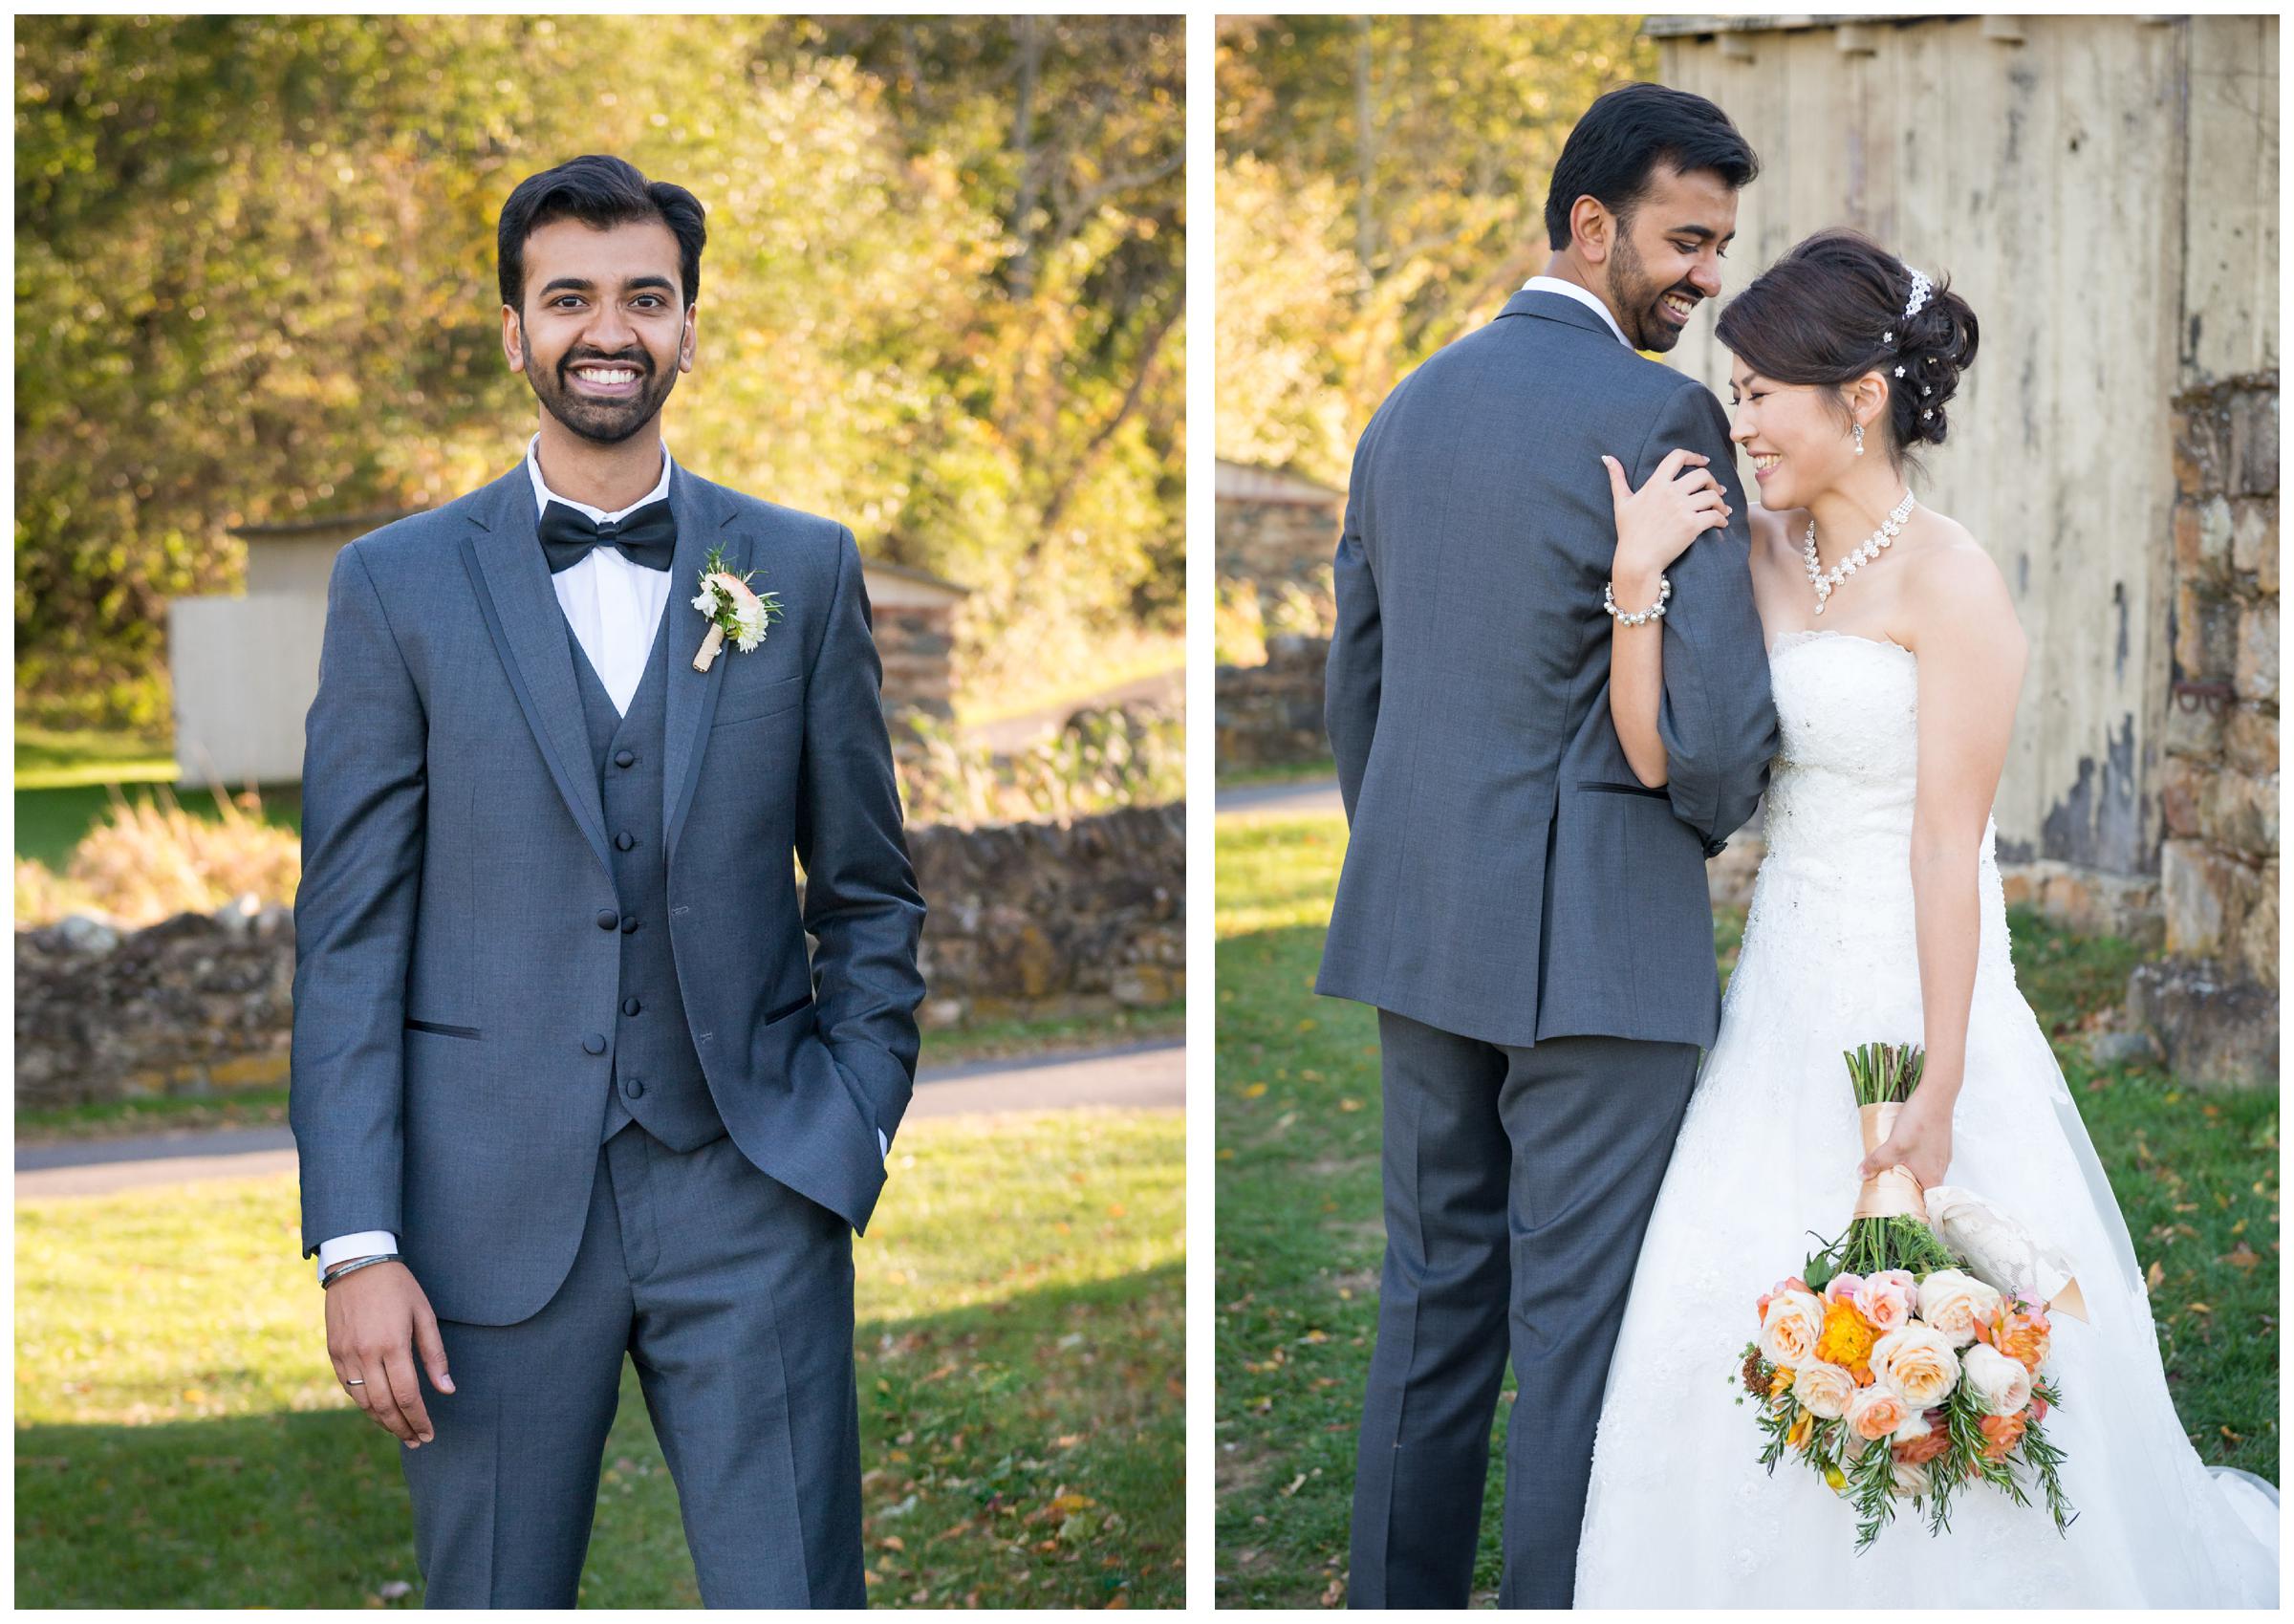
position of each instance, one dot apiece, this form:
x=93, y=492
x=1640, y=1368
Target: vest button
x=631, y=1087
x=607, y=919
x=629, y=922
x=630, y=1007
x=592, y=1043
x=624, y=840
x=623, y=758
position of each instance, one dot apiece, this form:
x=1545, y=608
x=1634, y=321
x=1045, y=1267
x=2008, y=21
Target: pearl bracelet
x=1654, y=612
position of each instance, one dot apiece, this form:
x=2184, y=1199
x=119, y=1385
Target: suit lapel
x=503, y=554
x=702, y=516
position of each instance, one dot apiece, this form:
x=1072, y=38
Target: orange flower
x=1845, y=1340
x=1920, y=1450
x=2023, y=1338
x=2000, y=1435
x=1804, y=1428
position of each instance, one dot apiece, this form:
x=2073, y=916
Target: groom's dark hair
x=1622, y=139
x=602, y=192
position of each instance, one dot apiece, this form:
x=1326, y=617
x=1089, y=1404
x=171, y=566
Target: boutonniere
x=733, y=609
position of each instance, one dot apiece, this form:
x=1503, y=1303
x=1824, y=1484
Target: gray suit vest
x=655, y=1076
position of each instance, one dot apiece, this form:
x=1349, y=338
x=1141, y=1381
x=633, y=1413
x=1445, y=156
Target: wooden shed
x=2104, y=192
x=245, y=669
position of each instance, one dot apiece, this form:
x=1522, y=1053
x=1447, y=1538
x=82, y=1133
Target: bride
x=1876, y=916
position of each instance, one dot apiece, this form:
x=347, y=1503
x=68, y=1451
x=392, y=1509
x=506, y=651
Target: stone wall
x=2212, y=1002
x=1271, y=714
x=1271, y=543
x=916, y=641
x=1024, y=921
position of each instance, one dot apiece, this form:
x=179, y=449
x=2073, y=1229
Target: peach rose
x=1825, y=1388
x=1917, y=1364
x=1952, y=1302
x=1885, y=1300
x=2000, y=1383
x=1789, y=1326
x=1911, y=1477
x=1874, y=1413
x=1791, y=1283
x=1842, y=1288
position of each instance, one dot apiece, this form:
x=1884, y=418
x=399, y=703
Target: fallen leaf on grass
x=2241, y=1256
x=1296, y=1483
x=2157, y=1275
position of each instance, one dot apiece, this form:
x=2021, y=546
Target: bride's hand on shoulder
x=1921, y=1141
x=1656, y=524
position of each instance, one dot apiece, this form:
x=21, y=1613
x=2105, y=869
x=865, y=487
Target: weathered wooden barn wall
x=2104, y=192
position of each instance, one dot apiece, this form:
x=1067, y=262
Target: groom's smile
x=1665, y=258
x=605, y=330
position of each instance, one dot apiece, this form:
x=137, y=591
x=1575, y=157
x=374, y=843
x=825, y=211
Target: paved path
x=1149, y=1076
x=1161, y=689
x=1282, y=800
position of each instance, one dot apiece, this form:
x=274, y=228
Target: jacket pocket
x=1660, y=795
x=770, y=700
x=415, y=1025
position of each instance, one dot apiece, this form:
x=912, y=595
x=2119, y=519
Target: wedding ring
x=354, y=1383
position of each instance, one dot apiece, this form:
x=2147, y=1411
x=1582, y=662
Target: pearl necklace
x=1825, y=581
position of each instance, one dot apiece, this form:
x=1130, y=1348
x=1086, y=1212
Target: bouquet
x=1889, y=1366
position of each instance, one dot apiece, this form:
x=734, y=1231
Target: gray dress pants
x=1518, y=1185
x=733, y=1294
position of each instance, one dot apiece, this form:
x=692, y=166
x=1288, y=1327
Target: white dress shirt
x=1585, y=296
x=614, y=608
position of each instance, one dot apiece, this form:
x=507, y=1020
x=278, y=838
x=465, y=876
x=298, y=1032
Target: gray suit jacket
x=454, y=865
x=1506, y=876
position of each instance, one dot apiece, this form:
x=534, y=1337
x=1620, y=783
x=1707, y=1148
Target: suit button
x=630, y=1007
x=624, y=840
x=631, y=1087
x=623, y=758
x=594, y=1042
x=607, y=919
x=629, y=922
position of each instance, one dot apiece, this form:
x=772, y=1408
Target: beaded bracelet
x=326, y=1281
x=1654, y=612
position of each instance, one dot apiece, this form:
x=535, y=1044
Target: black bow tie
x=644, y=535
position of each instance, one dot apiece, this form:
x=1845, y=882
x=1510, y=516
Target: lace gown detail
x=1680, y=1511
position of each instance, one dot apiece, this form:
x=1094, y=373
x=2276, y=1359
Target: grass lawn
x=1300, y=1236
x=1288, y=773
x=265, y=1105
x=51, y=820
x=181, y=1442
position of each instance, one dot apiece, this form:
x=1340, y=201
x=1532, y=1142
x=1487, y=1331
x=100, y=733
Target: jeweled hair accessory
x=1921, y=288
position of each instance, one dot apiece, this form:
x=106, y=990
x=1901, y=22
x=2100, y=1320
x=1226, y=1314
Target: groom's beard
x=605, y=422
x=1637, y=299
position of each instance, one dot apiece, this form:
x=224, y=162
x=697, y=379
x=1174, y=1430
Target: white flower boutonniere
x=733, y=609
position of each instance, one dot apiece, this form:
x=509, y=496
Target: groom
x=565, y=1085
x=1530, y=919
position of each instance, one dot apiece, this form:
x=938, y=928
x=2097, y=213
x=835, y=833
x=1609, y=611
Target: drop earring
x=1859, y=440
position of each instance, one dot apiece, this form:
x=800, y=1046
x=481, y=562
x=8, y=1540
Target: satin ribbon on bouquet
x=1893, y=1192
x=2002, y=1253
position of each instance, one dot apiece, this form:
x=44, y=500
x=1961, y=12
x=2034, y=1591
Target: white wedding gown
x=1681, y=1513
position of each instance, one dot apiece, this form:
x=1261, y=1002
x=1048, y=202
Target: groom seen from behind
x=1529, y=917
x=564, y=1084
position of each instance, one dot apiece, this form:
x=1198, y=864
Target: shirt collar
x=1585, y=296
x=543, y=495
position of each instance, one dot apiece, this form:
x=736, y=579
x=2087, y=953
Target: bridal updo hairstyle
x=1832, y=309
